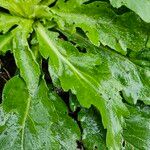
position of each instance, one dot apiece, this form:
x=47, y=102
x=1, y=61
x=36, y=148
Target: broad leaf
x=102, y=25
x=141, y=58
x=39, y=122
x=141, y=7
x=96, y=53
x=100, y=83
x=132, y=72
x=79, y=73
x=9, y=23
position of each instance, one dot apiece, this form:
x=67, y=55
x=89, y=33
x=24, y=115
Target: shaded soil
x=7, y=70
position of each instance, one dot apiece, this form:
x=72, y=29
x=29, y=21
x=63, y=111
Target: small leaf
x=137, y=132
x=73, y=102
x=93, y=135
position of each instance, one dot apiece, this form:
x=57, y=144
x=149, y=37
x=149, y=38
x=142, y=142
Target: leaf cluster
x=98, y=52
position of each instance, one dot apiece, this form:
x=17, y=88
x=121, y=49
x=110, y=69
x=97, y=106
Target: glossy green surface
x=136, y=132
x=99, y=84
x=102, y=25
x=93, y=132
x=141, y=7
x=98, y=53
x=38, y=122
x=26, y=9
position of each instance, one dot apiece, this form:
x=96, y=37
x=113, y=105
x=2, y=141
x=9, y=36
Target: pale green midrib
x=43, y=34
x=54, y=49
x=24, y=121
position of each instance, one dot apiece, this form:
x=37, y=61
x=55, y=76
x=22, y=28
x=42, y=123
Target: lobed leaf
x=72, y=39
x=141, y=7
x=136, y=131
x=7, y=21
x=95, y=79
x=78, y=72
x=38, y=122
x=102, y=25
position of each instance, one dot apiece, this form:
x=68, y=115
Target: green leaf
x=132, y=72
x=7, y=22
x=47, y=2
x=73, y=102
x=93, y=136
x=137, y=132
x=26, y=9
x=25, y=60
x=141, y=58
x=102, y=25
x=141, y=7
x=96, y=79
x=39, y=122
x=97, y=54
x=11, y=5
x=81, y=42
x=78, y=72
x=5, y=42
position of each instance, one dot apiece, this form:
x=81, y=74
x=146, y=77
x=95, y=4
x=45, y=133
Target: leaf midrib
x=24, y=121
x=54, y=49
